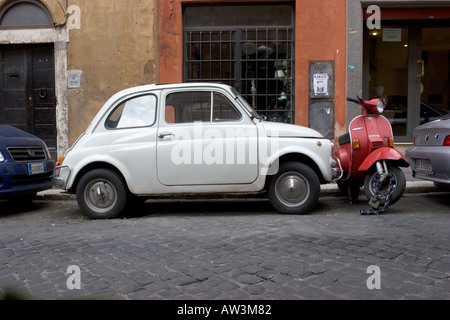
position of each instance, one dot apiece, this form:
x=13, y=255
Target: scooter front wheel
x=398, y=188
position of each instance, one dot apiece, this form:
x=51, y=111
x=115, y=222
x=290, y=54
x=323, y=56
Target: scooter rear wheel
x=399, y=185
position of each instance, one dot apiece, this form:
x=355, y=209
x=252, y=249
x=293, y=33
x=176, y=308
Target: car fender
x=383, y=153
x=318, y=150
x=106, y=160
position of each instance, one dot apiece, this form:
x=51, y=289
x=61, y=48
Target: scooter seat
x=343, y=139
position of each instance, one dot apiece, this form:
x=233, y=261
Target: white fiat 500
x=192, y=138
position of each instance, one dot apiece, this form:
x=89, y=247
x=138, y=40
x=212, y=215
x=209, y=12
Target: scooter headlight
x=380, y=106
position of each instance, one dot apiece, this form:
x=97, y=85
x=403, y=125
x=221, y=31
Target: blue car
x=25, y=165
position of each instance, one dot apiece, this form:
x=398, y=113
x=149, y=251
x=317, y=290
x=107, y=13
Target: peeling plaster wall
x=57, y=9
x=115, y=48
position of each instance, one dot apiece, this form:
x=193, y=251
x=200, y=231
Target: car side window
x=189, y=106
x=223, y=109
x=185, y=107
x=133, y=113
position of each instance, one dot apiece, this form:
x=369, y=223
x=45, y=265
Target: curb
x=327, y=190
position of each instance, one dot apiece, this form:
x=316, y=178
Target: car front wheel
x=101, y=194
x=294, y=189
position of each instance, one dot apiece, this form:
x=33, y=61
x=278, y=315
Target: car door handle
x=165, y=134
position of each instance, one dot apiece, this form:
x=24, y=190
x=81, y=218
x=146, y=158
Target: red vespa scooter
x=367, y=157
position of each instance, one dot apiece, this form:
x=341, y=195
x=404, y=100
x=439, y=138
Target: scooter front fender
x=384, y=153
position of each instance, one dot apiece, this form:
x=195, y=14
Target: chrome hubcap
x=100, y=195
x=292, y=189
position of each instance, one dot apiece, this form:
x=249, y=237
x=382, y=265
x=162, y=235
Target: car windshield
x=246, y=105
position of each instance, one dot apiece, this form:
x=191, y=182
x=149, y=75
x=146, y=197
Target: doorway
x=407, y=63
x=27, y=90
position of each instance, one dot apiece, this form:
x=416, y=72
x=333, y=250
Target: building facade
x=294, y=61
x=405, y=60
x=62, y=59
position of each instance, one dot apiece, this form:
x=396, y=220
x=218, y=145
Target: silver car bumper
x=436, y=160
x=61, y=176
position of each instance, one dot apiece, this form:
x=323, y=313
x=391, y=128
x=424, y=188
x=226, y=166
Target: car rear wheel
x=295, y=189
x=101, y=194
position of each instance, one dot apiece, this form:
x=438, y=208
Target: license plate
x=37, y=168
x=423, y=165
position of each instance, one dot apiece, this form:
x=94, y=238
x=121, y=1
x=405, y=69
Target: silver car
x=430, y=155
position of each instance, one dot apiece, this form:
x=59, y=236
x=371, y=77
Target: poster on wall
x=320, y=82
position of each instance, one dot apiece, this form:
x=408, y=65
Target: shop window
x=249, y=47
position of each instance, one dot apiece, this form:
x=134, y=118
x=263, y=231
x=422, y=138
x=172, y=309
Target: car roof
x=162, y=86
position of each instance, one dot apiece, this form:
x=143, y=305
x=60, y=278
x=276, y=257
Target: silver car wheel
x=100, y=195
x=292, y=189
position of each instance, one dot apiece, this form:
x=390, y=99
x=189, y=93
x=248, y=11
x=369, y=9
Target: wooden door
x=27, y=90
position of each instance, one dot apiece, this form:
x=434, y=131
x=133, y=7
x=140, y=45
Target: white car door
x=204, y=139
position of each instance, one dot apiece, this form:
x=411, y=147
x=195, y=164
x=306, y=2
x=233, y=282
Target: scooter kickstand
x=350, y=199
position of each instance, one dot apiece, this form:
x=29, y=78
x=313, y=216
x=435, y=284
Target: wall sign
x=74, y=79
x=392, y=34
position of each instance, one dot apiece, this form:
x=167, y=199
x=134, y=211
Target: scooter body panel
x=373, y=132
x=380, y=154
x=369, y=141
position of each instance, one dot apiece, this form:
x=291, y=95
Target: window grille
x=257, y=60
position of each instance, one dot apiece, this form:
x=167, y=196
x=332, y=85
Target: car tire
x=399, y=189
x=294, y=189
x=101, y=194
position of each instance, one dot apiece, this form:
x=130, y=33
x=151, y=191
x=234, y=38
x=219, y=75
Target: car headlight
x=2, y=158
x=380, y=106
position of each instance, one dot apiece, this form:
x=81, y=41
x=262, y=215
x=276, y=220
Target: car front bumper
x=61, y=177
x=15, y=180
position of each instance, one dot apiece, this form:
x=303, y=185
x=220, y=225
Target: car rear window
x=133, y=113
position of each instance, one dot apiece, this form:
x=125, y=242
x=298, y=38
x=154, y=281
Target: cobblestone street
x=228, y=249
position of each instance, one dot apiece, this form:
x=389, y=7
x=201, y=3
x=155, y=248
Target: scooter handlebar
x=353, y=100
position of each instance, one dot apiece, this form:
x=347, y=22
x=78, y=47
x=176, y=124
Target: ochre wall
x=115, y=49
